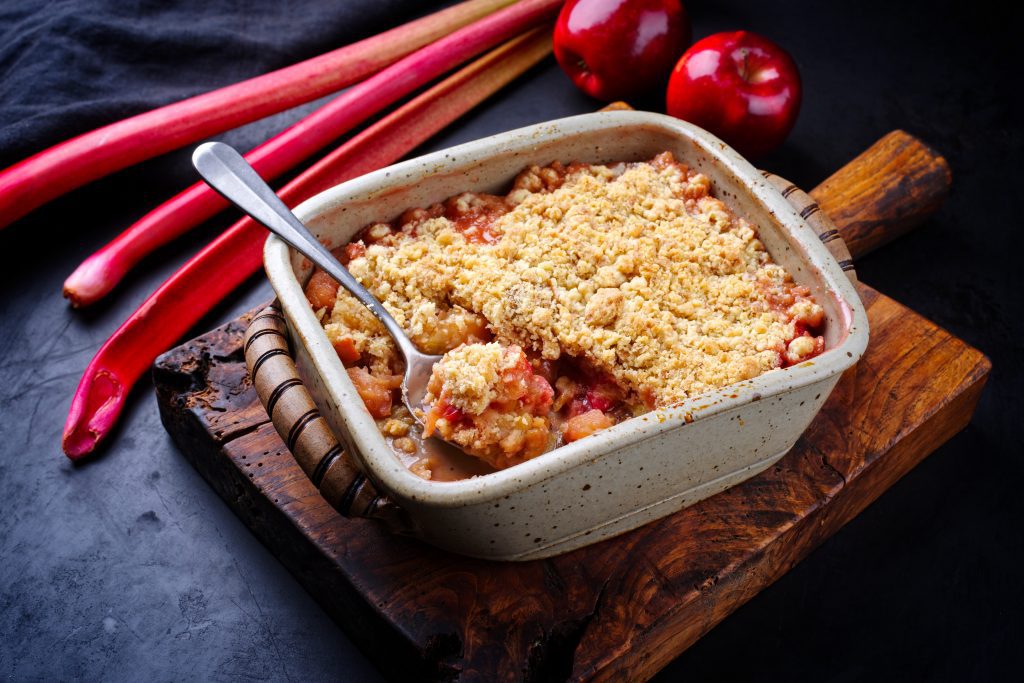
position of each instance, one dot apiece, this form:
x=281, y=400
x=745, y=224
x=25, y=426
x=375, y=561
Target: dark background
x=130, y=567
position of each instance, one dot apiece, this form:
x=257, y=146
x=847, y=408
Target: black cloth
x=131, y=568
x=68, y=67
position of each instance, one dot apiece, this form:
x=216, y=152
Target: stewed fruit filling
x=497, y=405
x=487, y=399
x=584, y=296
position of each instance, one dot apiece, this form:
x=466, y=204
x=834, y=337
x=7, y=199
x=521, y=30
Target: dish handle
x=826, y=230
x=271, y=365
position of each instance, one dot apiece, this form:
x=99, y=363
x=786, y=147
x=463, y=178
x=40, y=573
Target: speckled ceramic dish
x=638, y=470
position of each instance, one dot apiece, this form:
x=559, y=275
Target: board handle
x=891, y=187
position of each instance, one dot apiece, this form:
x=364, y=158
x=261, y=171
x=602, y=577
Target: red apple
x=740, y=86
x=613, y=49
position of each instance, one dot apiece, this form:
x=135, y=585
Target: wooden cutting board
x=623, y=608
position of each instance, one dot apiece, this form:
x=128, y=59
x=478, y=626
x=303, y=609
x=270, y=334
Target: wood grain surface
x=617, y=610
x=887, y=190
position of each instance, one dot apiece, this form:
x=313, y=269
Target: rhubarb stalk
x=230, y=259
x=101, y=272
x=88, y=157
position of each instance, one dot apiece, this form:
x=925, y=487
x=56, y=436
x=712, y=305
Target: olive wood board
x=617, y=610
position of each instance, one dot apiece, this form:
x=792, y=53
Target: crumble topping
x=471, y=375
x=634, y=267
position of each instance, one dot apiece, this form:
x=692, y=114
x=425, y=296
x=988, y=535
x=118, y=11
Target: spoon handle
x=227, y=172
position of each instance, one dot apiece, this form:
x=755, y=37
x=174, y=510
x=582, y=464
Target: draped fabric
x=68, y=66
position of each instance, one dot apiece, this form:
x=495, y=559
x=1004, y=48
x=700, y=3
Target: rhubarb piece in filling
x=486, y=399
x=624, y=287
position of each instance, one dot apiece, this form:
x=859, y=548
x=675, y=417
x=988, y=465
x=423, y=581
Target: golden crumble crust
x=634, y=268
x=471, y=375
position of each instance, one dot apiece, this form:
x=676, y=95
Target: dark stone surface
x=129, y=566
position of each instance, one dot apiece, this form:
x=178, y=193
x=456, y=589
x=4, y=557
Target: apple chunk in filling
x=486, y=399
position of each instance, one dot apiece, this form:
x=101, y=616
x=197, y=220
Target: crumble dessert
x=620, y=287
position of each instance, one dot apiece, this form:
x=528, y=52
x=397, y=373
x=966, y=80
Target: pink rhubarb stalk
x=229, y=260
x=101, y=272
x=88, y=157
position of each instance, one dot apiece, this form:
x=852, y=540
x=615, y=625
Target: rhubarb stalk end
x=91, y=280
x=94, y=411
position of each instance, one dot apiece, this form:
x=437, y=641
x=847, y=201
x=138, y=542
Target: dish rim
x=369, y=446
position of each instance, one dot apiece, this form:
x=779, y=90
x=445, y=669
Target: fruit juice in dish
x=586, y=295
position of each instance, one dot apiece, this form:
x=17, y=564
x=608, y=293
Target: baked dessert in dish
x=587, y=295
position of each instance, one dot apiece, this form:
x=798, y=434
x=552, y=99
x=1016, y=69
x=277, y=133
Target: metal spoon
x=228, y=173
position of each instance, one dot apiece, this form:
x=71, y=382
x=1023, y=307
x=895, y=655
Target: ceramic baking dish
x=627, y=475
